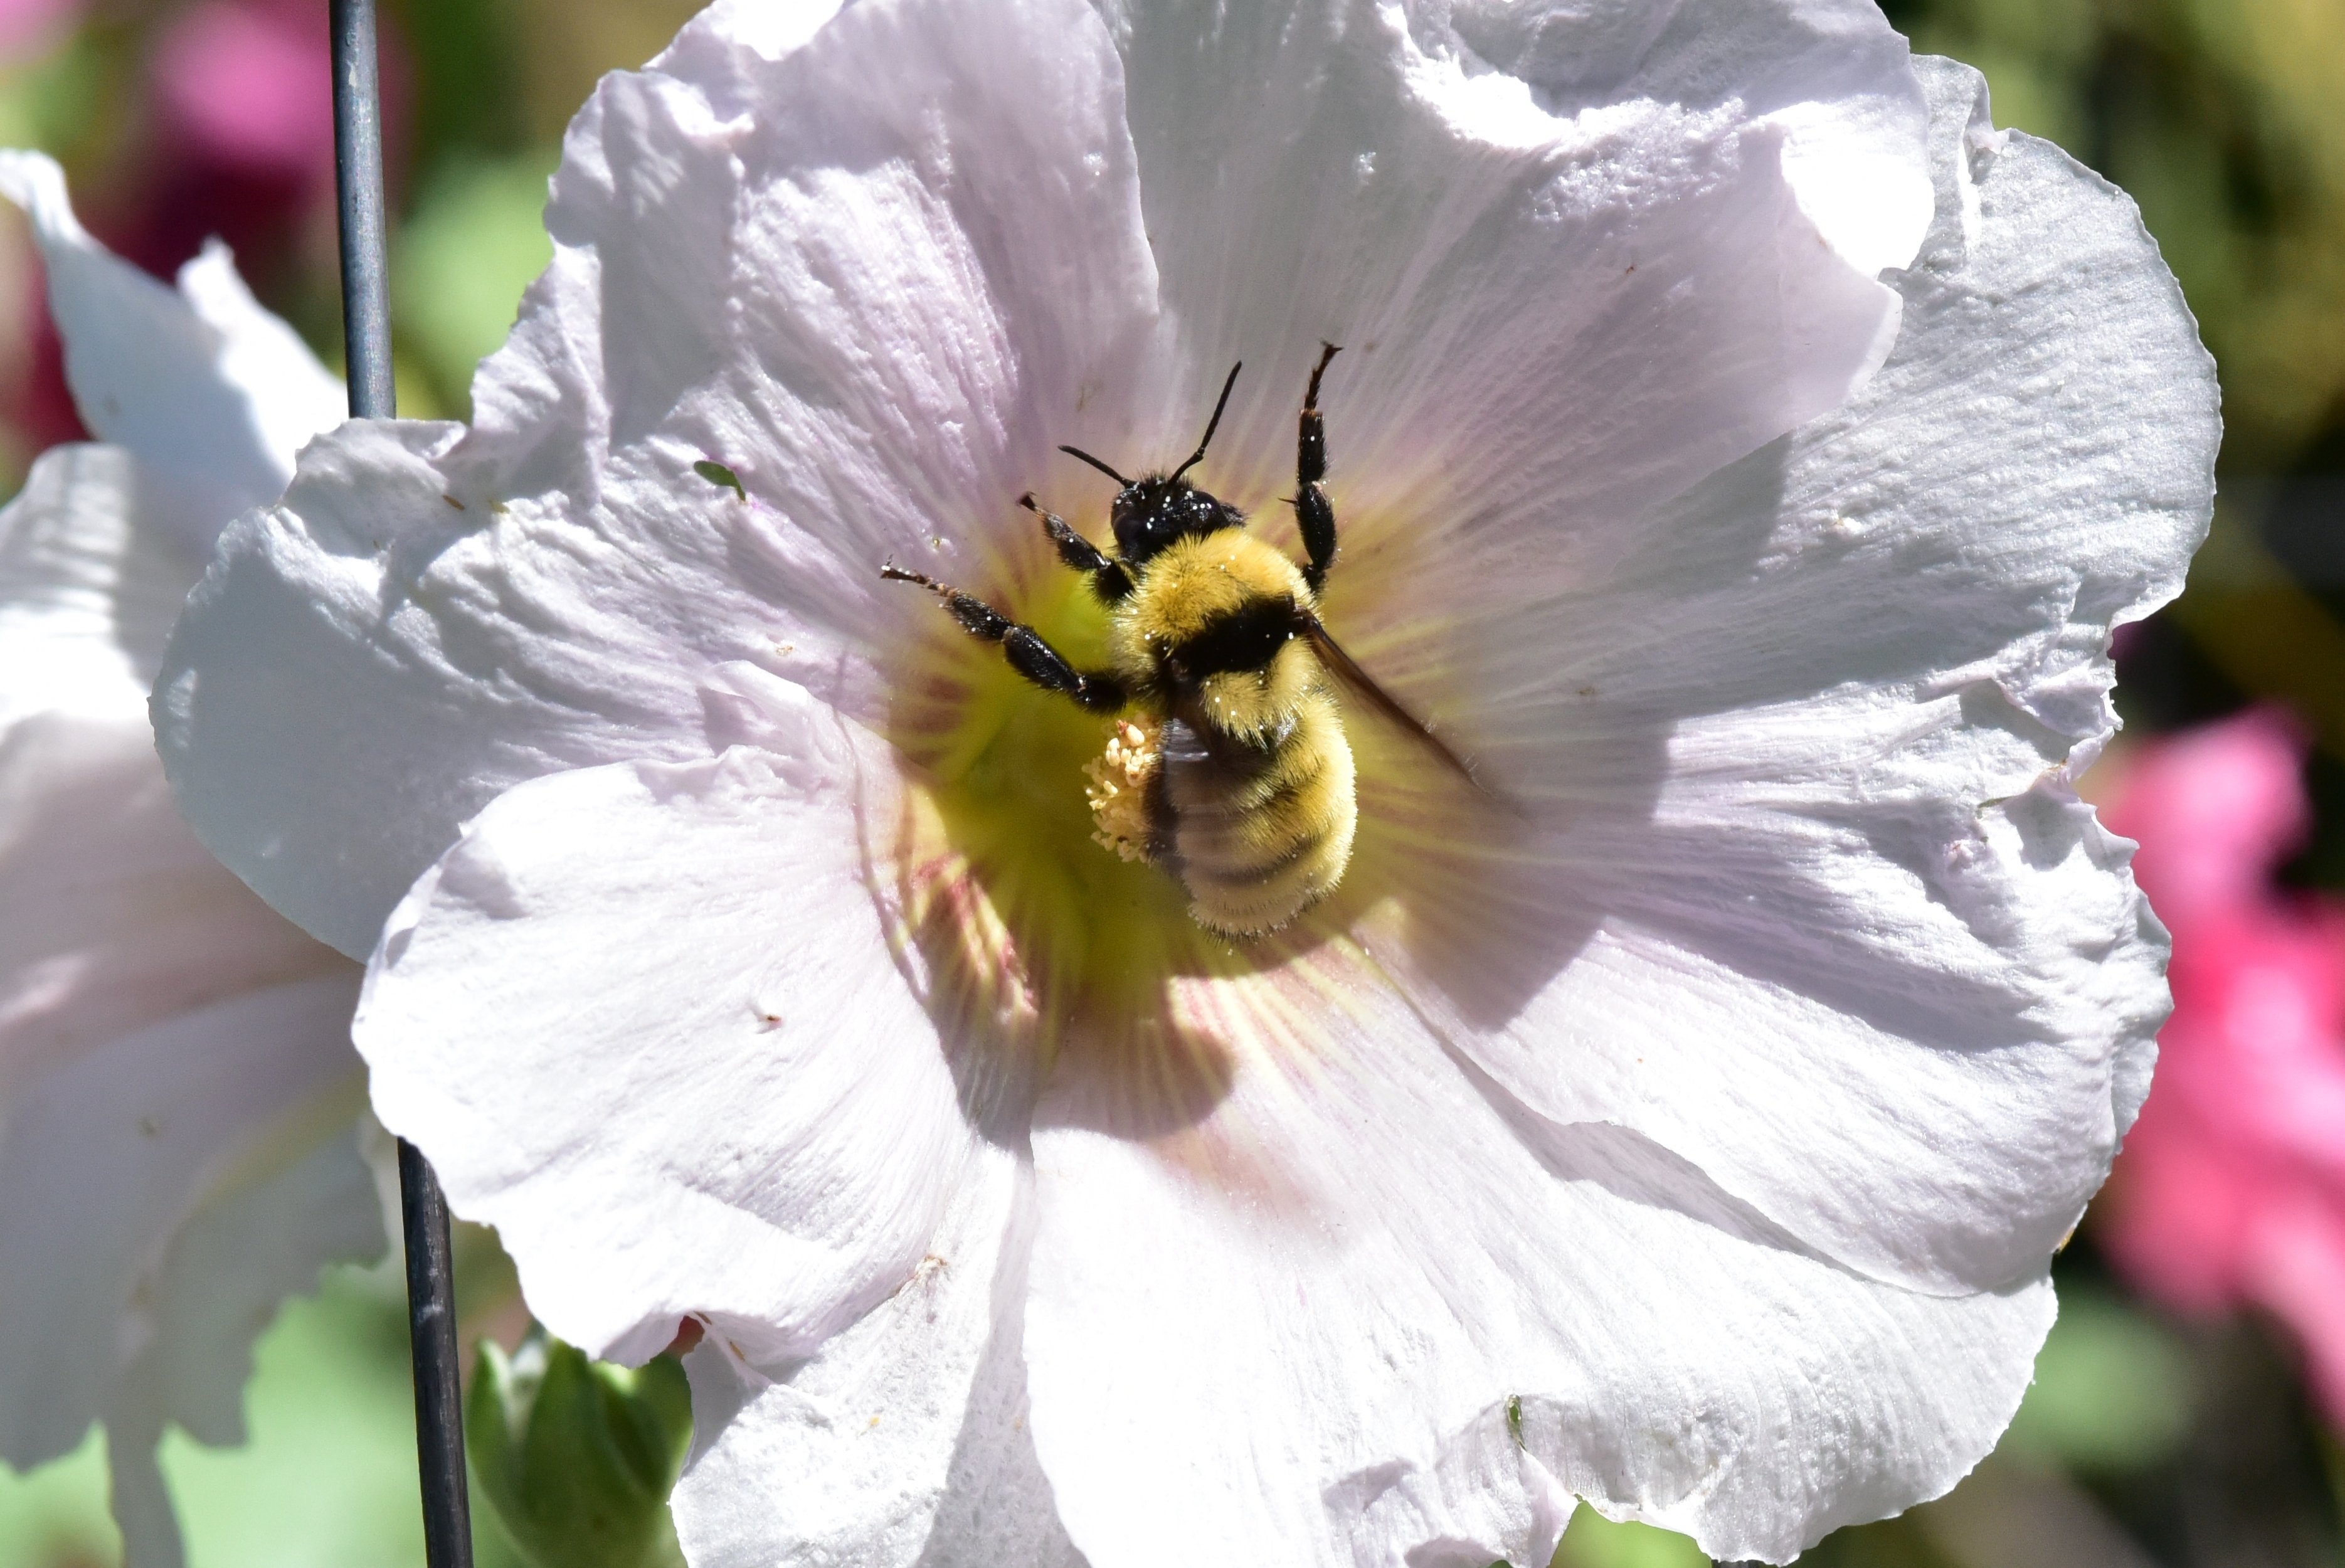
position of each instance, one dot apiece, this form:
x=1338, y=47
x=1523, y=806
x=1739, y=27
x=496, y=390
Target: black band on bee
x=1248, y=637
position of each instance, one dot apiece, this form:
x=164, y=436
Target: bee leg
x=1312, y=511
x=1109, y=579
x=1023, y=646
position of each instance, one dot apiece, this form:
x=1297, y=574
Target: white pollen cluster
x=1118, y=791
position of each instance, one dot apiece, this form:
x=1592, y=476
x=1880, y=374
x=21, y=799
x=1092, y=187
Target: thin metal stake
x=358, y=181
x=431, y=1336
x=423, y=1211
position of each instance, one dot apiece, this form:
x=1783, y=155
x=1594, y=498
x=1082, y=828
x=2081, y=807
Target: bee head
x=1150, y=513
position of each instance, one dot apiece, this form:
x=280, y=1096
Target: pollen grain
x=1121, y=779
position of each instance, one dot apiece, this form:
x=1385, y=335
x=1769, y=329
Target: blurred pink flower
x=27, y=27
x=244, y=82
x=243, y=145
x=2231, y=1188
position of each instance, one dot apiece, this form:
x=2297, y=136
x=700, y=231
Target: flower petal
x=878, y=300
x=88, y=588
x=1563, y=301
x=176, y=1087
x=168, y=1187
x=261, y=1238
x=1340, y=1316
x=115, y=918
x=209, y=390
x=644, y=1019
x=176, y=1078
x=903, y=1439
x=1823, y=914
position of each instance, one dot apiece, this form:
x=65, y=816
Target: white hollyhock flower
x=177, y=1086
x=1739, y=450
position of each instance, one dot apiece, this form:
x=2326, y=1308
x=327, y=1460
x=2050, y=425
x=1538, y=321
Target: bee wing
x=1348, y=669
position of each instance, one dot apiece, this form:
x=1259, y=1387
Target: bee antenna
x=1212, y=424
x=1077, y=452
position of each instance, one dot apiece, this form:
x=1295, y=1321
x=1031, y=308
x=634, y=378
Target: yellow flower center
x=1027, y=937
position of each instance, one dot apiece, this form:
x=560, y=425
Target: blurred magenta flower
x=27, y=27
x=2231, y=1190
x=244, y=83
x=242, y=142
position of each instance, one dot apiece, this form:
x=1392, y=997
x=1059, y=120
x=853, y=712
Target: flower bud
x=577, y=1456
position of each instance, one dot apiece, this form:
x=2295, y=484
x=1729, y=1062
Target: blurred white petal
x=210, y=392
x=176, y=1082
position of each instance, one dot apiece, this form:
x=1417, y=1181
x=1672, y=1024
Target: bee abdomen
x=1257, y=845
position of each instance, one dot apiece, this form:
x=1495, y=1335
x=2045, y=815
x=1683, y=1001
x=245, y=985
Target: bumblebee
x=1228, y=765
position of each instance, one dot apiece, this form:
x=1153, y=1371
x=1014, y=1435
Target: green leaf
x=716, y=473
x=2112, y=1390
x=1596, y=1542
x=577, y=1457
x=477, y=239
